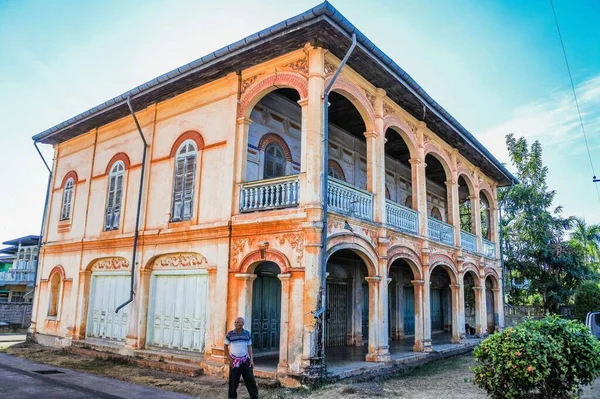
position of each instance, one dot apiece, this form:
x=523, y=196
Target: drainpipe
x=39, y=245
x=512, y=183
x=139, y=208
x=324, y=189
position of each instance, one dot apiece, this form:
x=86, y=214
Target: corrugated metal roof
x=322, y=24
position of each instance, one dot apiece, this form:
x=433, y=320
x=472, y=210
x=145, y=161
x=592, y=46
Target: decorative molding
x=412, y=127
x=296, y=241
x=237, y=247
x=300, y=65
x=111, y=264
x=387, y=109
x=329, y=68
x=248, y=82
x=370, y=97
x=180, y=261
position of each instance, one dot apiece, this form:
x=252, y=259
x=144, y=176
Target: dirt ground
x=450, y=378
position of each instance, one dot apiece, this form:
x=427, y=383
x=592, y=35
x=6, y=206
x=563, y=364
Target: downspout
x=139, y=208
x=324, y=189
x=512, y=183
x=39, y=246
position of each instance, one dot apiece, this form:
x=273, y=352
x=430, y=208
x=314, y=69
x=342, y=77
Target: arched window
x=408, y=202
x=114, y=198
x=436, y=214
x=184, y=181
x=67, y=200
x=387, y=193
x=484, y=210
x=274, y=161
x=464, y=210
x=335, y=170
x=55, y=286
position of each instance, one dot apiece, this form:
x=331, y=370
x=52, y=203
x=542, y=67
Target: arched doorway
x=402, y=305
x=470, y=303
x=490, y=305
x=347, y=316
x=438, y=210
x=266, y=309
x=442, y=305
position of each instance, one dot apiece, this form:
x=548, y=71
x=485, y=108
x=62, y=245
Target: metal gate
x=336, y=326
x=266, y=314
x=107, y=292
x=409, y=310
x=178, y=310
x=437, y=322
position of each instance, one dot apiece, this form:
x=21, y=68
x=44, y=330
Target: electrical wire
x=575, y=97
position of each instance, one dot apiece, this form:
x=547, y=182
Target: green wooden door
x=437, y=321
x=266, y=313
x=409, y=311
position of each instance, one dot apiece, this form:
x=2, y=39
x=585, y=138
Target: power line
x=576, y=101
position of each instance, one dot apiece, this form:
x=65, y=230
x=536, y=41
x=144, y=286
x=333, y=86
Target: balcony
x=262, y=195
x=14, y=276
x=468, y=241
x=440, y=231
x=488, y=248
x=349, y=200
x=402, y=218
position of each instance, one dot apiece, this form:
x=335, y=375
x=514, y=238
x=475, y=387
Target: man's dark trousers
x=234, y=380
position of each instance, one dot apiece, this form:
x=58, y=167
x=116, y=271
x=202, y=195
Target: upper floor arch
x=263, y=86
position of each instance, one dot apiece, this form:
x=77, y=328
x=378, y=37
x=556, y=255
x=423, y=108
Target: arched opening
x=55, y=288
x=485, y=216
x=437, y=201
x=490, y=303
x=399, y=181
x=402, y=305
x=464, y=206
x=274, y=136
x=347, y=149
x=266, y=309
x=470, y=304
x=347, y=315
x=440, y=302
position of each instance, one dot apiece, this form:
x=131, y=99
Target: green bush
x=587, y=299
x=547, y=358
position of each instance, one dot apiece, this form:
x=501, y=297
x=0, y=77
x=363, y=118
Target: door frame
x=151, y=304
x=272, y=352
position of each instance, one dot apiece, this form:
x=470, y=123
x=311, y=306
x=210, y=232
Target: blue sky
x=496, y=66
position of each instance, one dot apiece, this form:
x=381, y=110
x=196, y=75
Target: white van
x=592, y=321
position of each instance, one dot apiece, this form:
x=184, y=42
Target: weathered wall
x=16, y=313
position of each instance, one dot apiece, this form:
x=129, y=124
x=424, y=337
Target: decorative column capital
x=371, y=134
x=245, y=276
x=417, y=283
x=303, y=102
x=284, y=276
x=415, y=161
x=477, y=288
x=450, y=183
x=373, y=280
x=244, y=120
x=454, y=286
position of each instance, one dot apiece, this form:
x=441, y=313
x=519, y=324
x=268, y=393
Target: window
x=67, y=200
x=274, y=161
x=115, y=196
x=183, y=184
x=335, y=170
x=55, y=283
x=18, y=296
x=387, y=193
x=464, y=209
x=408, y=202
x=436, y=214
x=484, y=209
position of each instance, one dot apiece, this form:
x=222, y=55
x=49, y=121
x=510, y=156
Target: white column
x=282, y=366
x=245, y=298
x=419, y=287
x=455, y=292
x=426, y=309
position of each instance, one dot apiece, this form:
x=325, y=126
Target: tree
x=587, y=299
x=588, y=239
x=538, y=257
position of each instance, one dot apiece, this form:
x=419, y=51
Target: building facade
x=17, y=269
x=230, y=210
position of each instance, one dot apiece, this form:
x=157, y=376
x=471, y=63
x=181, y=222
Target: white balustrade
x=401, y=217
x=281, y=192
x=349, y=200
x=440, y=231
x=488, y=248
x=16, y=276
x=468, y=241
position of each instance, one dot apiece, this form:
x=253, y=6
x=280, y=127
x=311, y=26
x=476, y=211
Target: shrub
x=587, y=299
x=547, y=358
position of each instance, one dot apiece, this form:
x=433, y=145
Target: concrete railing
x=401, y=217
x=440, y=231
x=349, y=200
x=281, y=192
x=488, y=248
x=468, y=241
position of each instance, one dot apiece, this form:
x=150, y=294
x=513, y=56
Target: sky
x=495, y=65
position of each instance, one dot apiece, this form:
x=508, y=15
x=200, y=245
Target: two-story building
x=17, y=268
x=223, y=215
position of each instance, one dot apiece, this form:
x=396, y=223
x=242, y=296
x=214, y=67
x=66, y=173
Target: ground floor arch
x=265, y=324
x=490, y=304
x=443, y=303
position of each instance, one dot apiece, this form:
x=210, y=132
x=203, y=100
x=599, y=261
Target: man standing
x=238, y=353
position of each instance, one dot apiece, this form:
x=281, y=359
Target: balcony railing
x=468, y=241
x=16, y=276
x=440, y=231
x=401, y=217
x=488, y=248
x=281, y=192
x=349, y=200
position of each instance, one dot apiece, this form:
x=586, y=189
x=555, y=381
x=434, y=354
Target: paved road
x=21, y=379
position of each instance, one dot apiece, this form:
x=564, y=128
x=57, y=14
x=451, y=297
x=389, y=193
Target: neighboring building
x=231, y=208
x=17, y=269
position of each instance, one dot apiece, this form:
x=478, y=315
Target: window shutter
x=188, y=191
x=178, y=189
x=117, y=201
x=110, y=203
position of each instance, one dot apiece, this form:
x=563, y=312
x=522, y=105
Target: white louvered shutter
x=108, y=221
x=114, y=198
x=117, y=201
x=188, y=185
x=65, y=213
x=178, y=189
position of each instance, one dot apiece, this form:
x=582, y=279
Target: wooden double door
x=266, y=314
